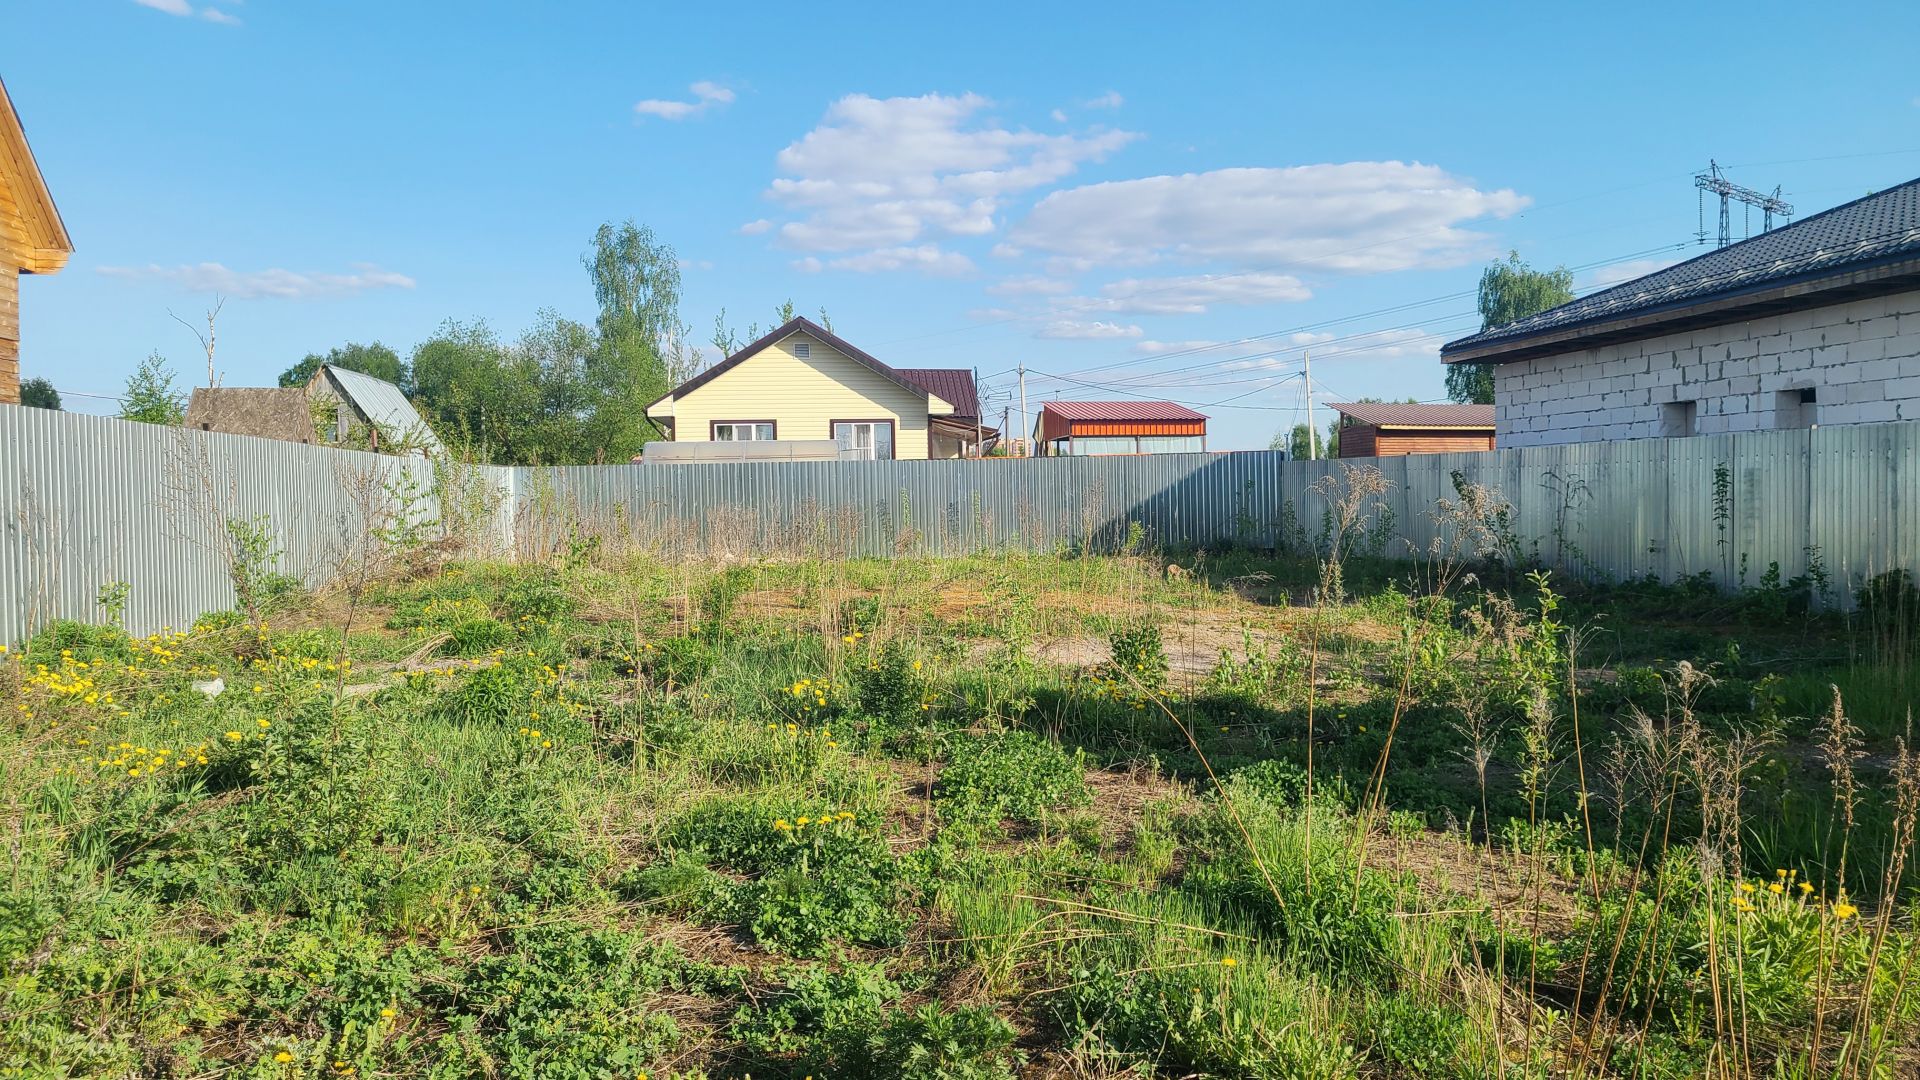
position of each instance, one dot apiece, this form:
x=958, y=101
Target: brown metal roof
x=1390, y=415
x=1141, y=411
x=953, y=385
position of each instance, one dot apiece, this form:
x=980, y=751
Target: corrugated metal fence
x=89, y=501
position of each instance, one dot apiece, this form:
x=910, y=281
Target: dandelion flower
x=1844, y=910
x=1806, y=887
x=283, y=1057
x=1776, y=888
x=1746, y=886
x=1228, y=961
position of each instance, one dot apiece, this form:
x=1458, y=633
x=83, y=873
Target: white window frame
x=758, y=431
x=851, y=447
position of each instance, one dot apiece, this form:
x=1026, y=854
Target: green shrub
x=1015, y=775
x=888, y=690
x=1138, y=656
x=841, y=1023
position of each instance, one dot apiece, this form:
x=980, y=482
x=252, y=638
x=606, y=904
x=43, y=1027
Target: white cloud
x=926, y=258
x=1151, y=348
x=1195, y=294
x=1367, y=345
x=1262, y=363
x=706, y=95
x=1088, y=331
x=1109, y=100
x=884, y=174
x=1059, y=116
x=1031, y=285
x=1604, y=276
x=255, y=284
x=1362, y=216
x=182, y=8
x=755, y=228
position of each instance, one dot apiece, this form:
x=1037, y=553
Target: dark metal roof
x=1143, y=411
x=953, y=385
x=1785, y=268
x=1418, y=416
x=799, y=324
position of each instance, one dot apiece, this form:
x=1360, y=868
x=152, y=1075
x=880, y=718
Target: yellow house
x=32, y=238
x=803, y=382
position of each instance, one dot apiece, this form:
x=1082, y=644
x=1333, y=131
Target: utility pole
x=1306, y=363
x=1026, y=434
x=979, y=436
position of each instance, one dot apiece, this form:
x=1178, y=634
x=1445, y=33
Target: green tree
x=636, y=282
x=39, y=394
x=151, y=397
x=376, y=360
x=1509, y=291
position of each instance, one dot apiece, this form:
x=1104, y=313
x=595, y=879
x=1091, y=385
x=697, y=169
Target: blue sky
x=1131, y=200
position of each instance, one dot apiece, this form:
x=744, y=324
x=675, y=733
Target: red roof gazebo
x=1088, y=428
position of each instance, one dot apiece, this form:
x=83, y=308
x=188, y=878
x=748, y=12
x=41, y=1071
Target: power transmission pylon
x=1713, y=180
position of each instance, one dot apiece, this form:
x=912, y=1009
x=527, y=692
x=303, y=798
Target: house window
x=1677, y=419
x=743, y=431
x=865, y=440
x=1796, y=408
x=803, y=350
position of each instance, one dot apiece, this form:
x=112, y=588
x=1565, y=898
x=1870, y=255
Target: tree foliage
x=1509, y=291
x=39, y=394
x=376, y=360
x=151, y=396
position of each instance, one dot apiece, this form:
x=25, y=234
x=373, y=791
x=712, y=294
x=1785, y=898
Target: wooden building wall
x=1366, y=440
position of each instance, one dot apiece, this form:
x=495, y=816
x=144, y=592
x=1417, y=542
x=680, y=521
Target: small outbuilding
x=1099, y=428
x=1378, y=429
x=265, y=412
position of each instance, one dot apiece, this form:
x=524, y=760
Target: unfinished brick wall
x=1851, y=363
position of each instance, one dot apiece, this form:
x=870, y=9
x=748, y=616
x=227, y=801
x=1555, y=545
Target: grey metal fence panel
x=88, y=500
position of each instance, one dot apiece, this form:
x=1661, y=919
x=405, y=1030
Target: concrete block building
x=1817, y=322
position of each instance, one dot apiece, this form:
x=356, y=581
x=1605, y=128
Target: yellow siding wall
x=804, y=397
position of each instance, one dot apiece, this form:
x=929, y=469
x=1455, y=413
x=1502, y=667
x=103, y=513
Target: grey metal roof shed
x=381, y=404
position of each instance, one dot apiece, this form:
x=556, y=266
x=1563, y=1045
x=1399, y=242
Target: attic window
x=803, y=350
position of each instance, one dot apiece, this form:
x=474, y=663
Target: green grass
x=843, y=819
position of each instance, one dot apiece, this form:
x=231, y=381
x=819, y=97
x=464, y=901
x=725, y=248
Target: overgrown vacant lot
x=1075, y=817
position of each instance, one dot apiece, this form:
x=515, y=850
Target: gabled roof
x=382, y=403
x=1862, y=248
x=34, y=216
x=952, y=385
x=1389, y=415
x=266, y=412
x=1138, y=411
x=799, y=325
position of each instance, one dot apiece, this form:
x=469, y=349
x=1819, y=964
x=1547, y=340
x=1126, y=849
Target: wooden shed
x=33, y=240
x=1370, y=429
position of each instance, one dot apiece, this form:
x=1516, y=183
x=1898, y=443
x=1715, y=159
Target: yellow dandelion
x=1844, y=910
x=283, y=1057
x=1228, y=961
